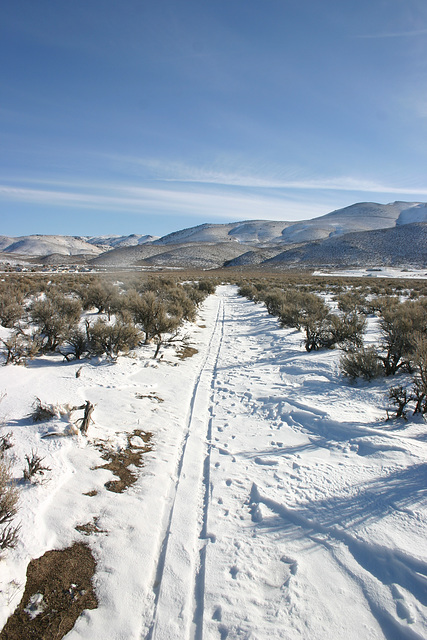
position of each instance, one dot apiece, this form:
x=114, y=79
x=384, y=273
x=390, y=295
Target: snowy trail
x=308, y=509
x=178, y=565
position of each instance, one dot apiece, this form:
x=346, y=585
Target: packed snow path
x=292, y=517
x=179, y=564
x=276, y=503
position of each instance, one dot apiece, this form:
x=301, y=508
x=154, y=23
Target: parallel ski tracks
x=178, y=611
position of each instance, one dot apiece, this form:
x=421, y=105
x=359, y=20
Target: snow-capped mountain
x=364, y=216
x=349, y=236
x=116, y=241
x=41, y=245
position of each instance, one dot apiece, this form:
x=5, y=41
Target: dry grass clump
x=186, y=352
x=34, y=468
x=9, y=497
x=42, y=412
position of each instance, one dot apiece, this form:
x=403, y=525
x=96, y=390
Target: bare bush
x=207, y=286
x=42, y=412
x=352, y=302
x=9, y=498
x=20, y=347
x=400, y=397
x=247, y=290
x=347, y=330
x=400, y=322
x=314, y=319
x=361, y=363
x=10, y=313
x=419, y=362
x=34, y=467
x=55, y=317
x=152, y=315
x=5, y=443
x=111, y=338
x=99, y=294
x=76, y=344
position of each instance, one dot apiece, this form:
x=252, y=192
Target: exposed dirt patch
x=90, y=527
x=91, y=494
x=119, y=461
x=202, y=326
x=59, y=587
x=150, y=396
x=186, y=352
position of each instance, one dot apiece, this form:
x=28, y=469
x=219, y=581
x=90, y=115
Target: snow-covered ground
x=380, y=272
x=276, y=502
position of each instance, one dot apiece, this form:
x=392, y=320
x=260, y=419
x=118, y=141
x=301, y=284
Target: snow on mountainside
x=41, y=245
x=418, y=213
x=6, y=241
x=247, y=237
x=247, y=232
x=402, y=245
x=44, y=245
x=127, y=256
x=196, y=256
x=364, y=216
x=116, y=241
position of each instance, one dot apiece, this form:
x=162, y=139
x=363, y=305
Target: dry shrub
x=42, y=412
x=34, y=468
x=361, y=363
x=20, y=347
x=9, y=497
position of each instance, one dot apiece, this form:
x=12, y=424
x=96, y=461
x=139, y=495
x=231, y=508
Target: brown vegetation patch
x=150, y=396
x=58, y=589
x=91, y=493
x=90, y=527
x=120, y=461
x=186, y=352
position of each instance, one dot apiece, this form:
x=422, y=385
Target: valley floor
x=276, y=501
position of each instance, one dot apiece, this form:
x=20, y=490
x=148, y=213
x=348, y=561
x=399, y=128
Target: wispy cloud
x=394, y=34
x=256, y=176
x=206, y=194
x=149, y=201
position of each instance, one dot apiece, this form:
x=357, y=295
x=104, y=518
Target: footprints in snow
x=217, y=617
x=233, y=572
x=403, y=609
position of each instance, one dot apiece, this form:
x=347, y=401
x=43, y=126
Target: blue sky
x=148, y=117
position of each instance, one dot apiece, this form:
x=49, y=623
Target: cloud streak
x=149, y=201
x=273, y=177
x=207, y=194
x=394, y=34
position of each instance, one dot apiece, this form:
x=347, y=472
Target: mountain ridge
x=345, y=235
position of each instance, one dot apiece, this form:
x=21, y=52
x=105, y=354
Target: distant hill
x=363, y=234
x=364, y=216
x=41, y=245
x=108, y=242
x=399, y=246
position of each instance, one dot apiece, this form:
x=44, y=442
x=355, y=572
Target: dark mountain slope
x=397, y=246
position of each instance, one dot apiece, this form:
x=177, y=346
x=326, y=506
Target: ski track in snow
x=276, y=503
x=177, y=599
